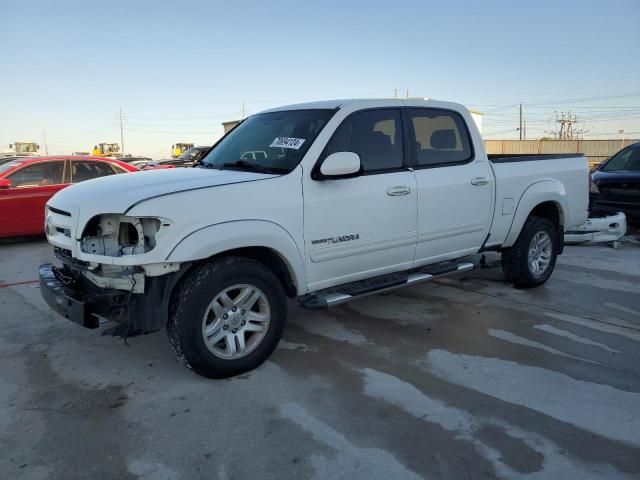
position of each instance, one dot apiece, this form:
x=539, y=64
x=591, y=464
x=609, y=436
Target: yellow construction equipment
x=106, y=150
x=179, y=148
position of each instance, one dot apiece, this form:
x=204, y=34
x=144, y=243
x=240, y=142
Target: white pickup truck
x=324, y=202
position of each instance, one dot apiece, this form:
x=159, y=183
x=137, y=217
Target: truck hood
x=117, y=193
x=616, y=178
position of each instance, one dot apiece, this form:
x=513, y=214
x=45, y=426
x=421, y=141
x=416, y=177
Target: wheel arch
x=260, y=240
x=546, y=199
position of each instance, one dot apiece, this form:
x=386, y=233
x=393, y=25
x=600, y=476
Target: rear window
x=627, y=160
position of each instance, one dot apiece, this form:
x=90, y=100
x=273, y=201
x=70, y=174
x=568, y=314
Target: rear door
x=455, y=186
x=364, y=226
x=22, y=205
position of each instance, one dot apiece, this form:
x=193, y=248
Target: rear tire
x=531, y=260
x=227, y=317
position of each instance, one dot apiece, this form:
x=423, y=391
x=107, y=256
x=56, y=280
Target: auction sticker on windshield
x=287, y=142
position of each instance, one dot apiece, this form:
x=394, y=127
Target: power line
x=174, y=132
x=498, y=133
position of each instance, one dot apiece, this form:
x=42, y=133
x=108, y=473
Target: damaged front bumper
x=604, y=229
x=76, y=304
x=68, y=292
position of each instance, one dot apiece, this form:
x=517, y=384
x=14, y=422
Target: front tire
x=227, y=317
x=531, y=260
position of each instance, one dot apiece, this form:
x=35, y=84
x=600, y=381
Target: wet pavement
x=462, y=378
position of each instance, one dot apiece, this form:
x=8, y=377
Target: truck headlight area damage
x=114, y=235
x=117, y=235
x=102, y=284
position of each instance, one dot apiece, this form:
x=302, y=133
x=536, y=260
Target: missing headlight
x=118, y=235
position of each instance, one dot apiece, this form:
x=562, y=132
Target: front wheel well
x=269, y=258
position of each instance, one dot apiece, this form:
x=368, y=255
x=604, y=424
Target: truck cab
x=344, y=199
x=22, y=149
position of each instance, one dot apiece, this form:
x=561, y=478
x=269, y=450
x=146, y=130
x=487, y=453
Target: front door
x=455, y=186
x=22, y=204
x=364, y=226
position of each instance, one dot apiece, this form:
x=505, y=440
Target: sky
x=179, y=69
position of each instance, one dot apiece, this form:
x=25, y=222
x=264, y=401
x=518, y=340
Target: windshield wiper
x=252, y=166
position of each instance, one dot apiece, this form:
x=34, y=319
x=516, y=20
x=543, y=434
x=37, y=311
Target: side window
x=81, y=171
x=38, y=175
x=118, y=169
x=375, y=135
x=439, y=137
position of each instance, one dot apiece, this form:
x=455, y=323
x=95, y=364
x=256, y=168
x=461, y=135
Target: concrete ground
x=459, y=379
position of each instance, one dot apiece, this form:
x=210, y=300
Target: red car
x=27, y=183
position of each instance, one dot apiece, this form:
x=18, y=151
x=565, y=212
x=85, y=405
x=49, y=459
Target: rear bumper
x=80, y=306
x=600, y=229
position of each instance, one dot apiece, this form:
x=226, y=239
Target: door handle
x=479, y=181
x=398, y=190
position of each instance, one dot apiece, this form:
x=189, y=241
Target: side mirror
x=5, y=183
x=341, y=165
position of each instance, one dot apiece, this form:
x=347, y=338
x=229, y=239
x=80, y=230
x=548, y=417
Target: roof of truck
x=339, y=103
x=330, y=103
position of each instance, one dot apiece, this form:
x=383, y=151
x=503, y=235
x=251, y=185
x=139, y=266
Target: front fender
x=548, y=190
x=221, y=237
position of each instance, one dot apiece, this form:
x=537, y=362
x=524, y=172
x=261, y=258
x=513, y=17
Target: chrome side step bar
x=334, y=296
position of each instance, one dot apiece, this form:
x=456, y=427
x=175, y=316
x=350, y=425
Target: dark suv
x=615, y=186
x=188, y=158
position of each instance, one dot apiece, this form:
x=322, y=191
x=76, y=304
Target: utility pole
x=121, y=133
x=520, y=129
x=395, y=93
x=407, y=93
x=242, y=118
x=46, y=148
x=524, y=134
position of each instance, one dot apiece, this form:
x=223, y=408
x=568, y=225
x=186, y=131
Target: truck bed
x=516, y=174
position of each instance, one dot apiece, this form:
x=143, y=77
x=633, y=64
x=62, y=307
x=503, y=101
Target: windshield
x=6, y=166
x=269, y=142
x=627, y=160
x=25, y=148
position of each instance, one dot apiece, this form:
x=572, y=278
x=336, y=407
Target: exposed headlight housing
x=115, y=235
x=593, y=187
x=48, y=224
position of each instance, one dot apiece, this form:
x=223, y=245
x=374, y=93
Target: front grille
x=65, y=257
x=618, y=193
